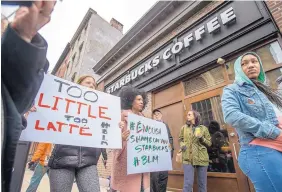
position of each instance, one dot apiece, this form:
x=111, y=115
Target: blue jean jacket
x=250, y=112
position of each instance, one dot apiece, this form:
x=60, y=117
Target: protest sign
x=148, y=146
x=70, y=114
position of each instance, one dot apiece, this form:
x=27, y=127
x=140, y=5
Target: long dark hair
x=272, y=94
x=197, y=117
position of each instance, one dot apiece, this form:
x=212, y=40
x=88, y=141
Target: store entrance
x=224, y=173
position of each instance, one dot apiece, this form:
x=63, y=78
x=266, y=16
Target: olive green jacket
x=196, y=152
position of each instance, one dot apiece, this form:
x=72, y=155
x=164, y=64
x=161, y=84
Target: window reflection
x=220, y=156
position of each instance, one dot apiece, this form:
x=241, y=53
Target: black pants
x=159, y=181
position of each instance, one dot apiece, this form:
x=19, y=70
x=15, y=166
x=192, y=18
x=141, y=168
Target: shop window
x=271, y=57
x=272, y=77
x=69, y=68
x=220, y=156
x=204, y=81
x=209, y=109
x=73, y=58
x=73, y=77
x=79, y=53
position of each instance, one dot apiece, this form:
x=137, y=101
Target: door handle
x=234, y=148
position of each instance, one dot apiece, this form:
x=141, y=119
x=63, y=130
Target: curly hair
x=128, y=94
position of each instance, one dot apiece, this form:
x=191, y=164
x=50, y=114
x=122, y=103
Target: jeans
x=158, y=181
x=38, y=174
x=189, y=178
x=87, y=179
x=263, y=166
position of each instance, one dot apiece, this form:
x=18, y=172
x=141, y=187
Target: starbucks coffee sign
x=206, y=30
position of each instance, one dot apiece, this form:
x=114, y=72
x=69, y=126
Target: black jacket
x=66, y=156
x=23, y=65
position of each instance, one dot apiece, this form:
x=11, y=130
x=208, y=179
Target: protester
x=253, y=109
x=218, y=157
x=159, y=179
x=73, y=162
x=23, y=54
x=132, y=101
x=42, y=154
x=194, y=139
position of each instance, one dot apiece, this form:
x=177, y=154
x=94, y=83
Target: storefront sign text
x=212, y=26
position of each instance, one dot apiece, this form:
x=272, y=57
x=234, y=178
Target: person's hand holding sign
x=32, y=109
x=124, y=134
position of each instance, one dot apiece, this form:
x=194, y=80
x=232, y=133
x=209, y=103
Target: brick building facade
x=275, y=8
x=92, y=40
x=171, y=87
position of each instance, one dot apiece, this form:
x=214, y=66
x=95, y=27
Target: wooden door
x=224, y=173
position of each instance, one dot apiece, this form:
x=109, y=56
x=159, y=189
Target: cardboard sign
x=70, y=114
x=148, y=146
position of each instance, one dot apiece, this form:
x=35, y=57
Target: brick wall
x=104, y=173
x=275, y=8
x=114, y=23
x=148, y=110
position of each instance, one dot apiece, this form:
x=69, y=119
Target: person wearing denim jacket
x=248, y=106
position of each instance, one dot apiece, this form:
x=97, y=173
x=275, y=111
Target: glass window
x=272, y=77
x=220, y=156
x=73, y=77
x=79, y=53
x=271, y=56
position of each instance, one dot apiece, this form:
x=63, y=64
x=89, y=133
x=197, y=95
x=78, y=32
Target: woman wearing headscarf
x=194, y=140
x=253, y=109
x=133, y=101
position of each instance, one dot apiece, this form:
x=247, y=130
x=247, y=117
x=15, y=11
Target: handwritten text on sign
x=148, y=146
x=71, y=114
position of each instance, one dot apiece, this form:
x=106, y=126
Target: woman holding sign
x=132, y=101
x=73, y=162
x=194, y=140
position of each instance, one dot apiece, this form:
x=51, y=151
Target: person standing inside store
x=159, y=179
x=194, y=140
x=42, y=154
x=23, y=64
x=133, y=101
x=255, y=110
x=74, y=162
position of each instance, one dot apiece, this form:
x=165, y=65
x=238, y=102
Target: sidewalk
x=44, y=185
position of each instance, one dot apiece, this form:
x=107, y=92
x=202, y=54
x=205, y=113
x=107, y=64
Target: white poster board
x=148, y=146
x=70, y=114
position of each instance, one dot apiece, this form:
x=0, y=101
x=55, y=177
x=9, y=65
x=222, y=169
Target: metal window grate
x=204, y=81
